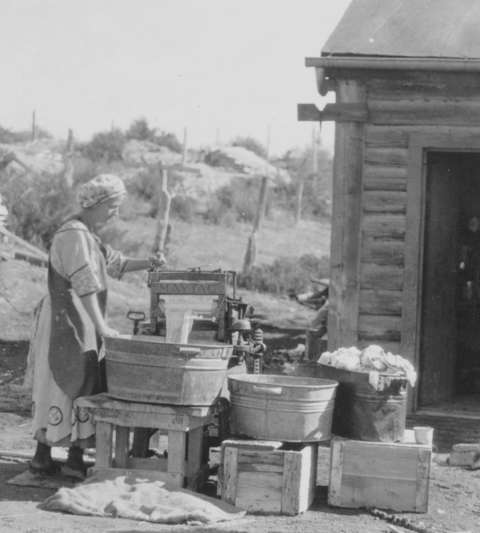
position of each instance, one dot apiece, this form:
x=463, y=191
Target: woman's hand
x=107, y=331
x=158, y=260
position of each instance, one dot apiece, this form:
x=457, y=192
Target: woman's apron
x=74, y=343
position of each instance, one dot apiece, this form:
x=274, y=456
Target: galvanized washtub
x=143, y=368
x=285, y=408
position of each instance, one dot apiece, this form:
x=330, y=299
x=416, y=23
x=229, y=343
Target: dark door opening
x=450, y=336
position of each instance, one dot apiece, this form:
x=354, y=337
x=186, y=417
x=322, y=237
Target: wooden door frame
x=419, y=146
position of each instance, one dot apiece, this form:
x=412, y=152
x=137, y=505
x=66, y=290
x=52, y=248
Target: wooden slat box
x=392, y=476
x=265, y=477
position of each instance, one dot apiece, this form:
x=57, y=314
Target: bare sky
x=221, y=68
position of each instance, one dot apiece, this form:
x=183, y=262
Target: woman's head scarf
x=100, y=189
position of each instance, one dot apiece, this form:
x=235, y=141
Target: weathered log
x=374, y=276
x=386, y=157
x=431, y=112
x=379, y=327
x=392, y=202
x=384, y=226
x=383, y=251
x=398, y=136
x=384, y=178
x=380, y=302
x=422, y=85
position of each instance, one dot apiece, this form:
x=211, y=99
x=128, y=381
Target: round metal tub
x=284, y=408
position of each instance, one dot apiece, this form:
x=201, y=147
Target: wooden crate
x=392, y=476
x=264, y=477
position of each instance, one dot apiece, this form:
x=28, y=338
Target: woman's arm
x=143, y=264
x=90, y=302
x=136, y=264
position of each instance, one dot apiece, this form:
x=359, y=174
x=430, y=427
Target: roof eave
x=393, y=63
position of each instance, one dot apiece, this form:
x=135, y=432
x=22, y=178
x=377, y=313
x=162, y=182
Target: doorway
x=450, y=311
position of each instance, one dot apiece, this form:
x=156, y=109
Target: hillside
x=193, y=245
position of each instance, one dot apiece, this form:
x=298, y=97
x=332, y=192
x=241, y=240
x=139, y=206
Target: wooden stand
x=186, y=464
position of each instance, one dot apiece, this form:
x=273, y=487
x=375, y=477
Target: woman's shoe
x=76, y=472
x=49, y=469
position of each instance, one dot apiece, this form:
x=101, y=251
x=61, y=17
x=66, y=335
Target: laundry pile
x=373, y=358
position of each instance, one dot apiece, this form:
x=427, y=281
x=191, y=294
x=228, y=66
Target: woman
x=71, y=323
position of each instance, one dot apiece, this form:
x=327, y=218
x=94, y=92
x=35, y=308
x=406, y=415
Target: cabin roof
x=408, y=28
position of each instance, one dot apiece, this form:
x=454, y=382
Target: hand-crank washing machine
x=226, y=320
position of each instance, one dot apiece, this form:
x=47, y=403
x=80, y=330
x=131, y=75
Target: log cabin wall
x=372, y=169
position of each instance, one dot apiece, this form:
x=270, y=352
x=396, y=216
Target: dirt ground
x=454, y=502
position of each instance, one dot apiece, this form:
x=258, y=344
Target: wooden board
x=265, y=479
x=346, y=222
x=193, y=288
x=381, y=475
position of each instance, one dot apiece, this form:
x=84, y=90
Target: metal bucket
x=283, y=408
x=143, y=368
x=361, y=412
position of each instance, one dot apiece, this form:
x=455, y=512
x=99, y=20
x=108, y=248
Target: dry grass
x=193, y=245
x=209, y=246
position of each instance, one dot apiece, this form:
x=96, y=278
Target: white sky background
x=227, y=67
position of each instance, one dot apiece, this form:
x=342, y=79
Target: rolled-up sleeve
x=116, y=262
x=78, y=264
x=84, y=281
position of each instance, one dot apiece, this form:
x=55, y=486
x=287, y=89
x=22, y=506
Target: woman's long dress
x=65, y=343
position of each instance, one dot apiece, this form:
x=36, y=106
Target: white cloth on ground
x=138, y=498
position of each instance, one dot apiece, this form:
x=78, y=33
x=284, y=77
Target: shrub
x=145, y=185
x=169, y=140
x=251, y=144
x=285, y=274
x=183, y=208
x=37, y=207
x=239, y=199
x=9, y=136
x=105, y=146
x=140, y=130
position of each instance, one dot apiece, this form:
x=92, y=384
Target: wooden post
x=184, y=150
x=69, y=147
x=298, y=207
x=68, y=160
x=250, y=254
x=262, y=202
x=34, y=126
x=315, y=160
x=346, y=223
x=163, y=215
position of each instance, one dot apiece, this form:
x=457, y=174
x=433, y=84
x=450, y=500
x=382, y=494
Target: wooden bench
x=187, y=461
